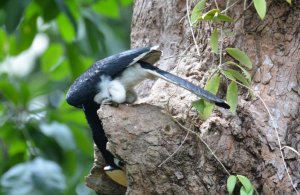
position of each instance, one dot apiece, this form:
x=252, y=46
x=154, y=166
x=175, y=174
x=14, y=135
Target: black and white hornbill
x=112, y=80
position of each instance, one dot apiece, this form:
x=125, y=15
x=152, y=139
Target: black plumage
x=83, y=91
x=84, y=87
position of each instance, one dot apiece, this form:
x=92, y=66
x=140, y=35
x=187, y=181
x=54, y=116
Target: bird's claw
x=109, y=102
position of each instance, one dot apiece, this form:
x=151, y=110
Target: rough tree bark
x=246, y=143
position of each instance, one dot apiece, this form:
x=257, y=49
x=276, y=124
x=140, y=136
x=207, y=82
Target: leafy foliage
x=38, y=176
x=197, y=11
x=214, y=41
x=46, y=146
x=205, y=108
x=232, y=96
x=289, y=1
x=226, y=69
x=246, y=186
x=236, y=76
x=237, y=72
x=231, y=181
x=240, y=56
x=261, y=8
x=216, y=16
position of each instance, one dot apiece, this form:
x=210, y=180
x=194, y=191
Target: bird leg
x=109, y=101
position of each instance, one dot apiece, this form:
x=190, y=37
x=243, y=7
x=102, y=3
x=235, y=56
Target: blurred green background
x=45, y=144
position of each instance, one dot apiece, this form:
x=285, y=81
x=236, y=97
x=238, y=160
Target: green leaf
x=223, y=18
x=61, y=133
x=107, y=8
x=12, y=46
x=240, y=56
x=14, y=12
x=216, y=16
x=9, y=91
x=289, y=1
x=51, y=59
x=234, y=75
x=212, y=85
x=76, y=63
x=26, y=34
x=244, y=71
x=246, y=74
x=232, y=96
x=32, y=10
x=126, y=2
x=243, y=191
x=61, y=71
x=205, y=108
x=245, y=182
x=228, y=75
x=24, y=92
x=49, y=9
x=198, y=105
x=3, y=44
x=17, y=146
x=261, y=8
x=231, y=181
x=197, y=11
x=38, y=176
x=94, y=38
x=3, y=115
x=210, y=14
x=65, y=8
x=65, y=28
x=238, y=76
x=74, y=10
x=214, y=41
x=251, y=191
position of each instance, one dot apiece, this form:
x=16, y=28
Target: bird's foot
x=109, y=102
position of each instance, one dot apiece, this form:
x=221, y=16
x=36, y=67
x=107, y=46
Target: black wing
x=84, y=87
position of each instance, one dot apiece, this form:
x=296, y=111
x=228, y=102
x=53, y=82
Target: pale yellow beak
x=117, y=175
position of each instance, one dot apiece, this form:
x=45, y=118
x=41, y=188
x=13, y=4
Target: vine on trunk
x=236, y=71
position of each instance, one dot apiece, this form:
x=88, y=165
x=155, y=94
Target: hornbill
x=112, y=80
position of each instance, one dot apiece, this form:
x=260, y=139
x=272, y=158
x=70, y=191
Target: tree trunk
x=246, y=143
